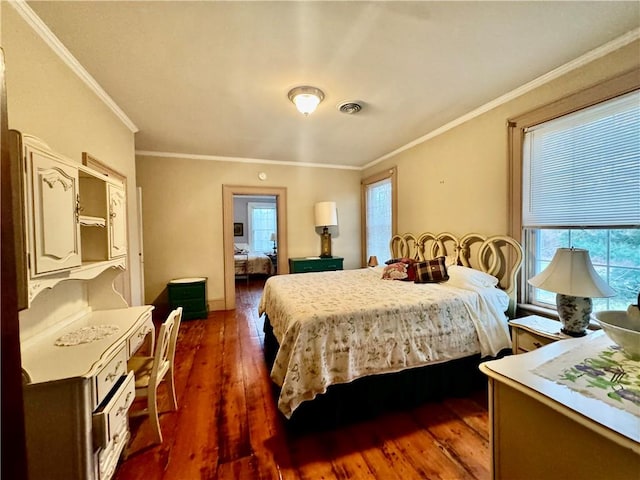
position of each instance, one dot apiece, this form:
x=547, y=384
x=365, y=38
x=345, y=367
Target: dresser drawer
x=186, y=289
x=527, y=341
x=111, y=426
x=107, y=377
x=136, y=339
x=302, y=265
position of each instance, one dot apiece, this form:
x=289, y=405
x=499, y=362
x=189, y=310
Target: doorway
x=228, y=194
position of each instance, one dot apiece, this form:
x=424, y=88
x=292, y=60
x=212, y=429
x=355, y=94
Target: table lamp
x=373, y=261
x=273, y=239
x=574, y=280
x=325, y=217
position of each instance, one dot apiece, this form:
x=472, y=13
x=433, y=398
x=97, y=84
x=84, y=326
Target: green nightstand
x=314, y=264
x=191, y=295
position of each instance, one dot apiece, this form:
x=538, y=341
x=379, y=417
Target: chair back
x=161, y=361
x=173, y=341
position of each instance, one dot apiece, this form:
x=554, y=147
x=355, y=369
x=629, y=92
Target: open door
x=228, y=192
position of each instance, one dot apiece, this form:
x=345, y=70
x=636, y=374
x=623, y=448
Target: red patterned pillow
x=399, y=271
x=431, y=271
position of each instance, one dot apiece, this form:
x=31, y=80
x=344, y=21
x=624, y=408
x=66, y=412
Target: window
x=262, y=223
x=379, y=214
x=581, y=188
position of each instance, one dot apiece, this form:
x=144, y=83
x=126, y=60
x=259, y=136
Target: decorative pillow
x=460, y=276
x=399, y=271
x=239, y=249
x=431, y=271
x=450, y=260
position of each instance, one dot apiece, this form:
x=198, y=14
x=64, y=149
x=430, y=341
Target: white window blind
x=583, y=169
x=379, y=221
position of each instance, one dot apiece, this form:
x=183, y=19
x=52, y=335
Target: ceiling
x=211, y=78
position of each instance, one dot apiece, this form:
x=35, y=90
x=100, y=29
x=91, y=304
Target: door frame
x=228, y=191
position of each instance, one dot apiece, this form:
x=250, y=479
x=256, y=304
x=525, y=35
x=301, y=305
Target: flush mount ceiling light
x=306, y=99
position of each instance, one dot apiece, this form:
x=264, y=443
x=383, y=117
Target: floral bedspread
x=253, y=263
x=335, y=327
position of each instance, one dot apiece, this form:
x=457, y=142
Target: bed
x=329, y=330
x=248, y=263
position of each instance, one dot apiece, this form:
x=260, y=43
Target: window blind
x=583, y=169
x=379, y=221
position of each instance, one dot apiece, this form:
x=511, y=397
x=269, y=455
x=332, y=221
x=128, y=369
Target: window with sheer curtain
x=379, y=214
x=581, y=188
x=262, y=223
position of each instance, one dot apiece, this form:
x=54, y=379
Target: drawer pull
x=113, y=375
x=143, y=333
x=537, y=344
x=116, y=439
x=126, y=405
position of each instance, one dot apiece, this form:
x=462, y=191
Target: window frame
x=258, y=205
x=390, y=173
x=598, y=93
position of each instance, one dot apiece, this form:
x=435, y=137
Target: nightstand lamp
x=574, y=280
x=273, y=239
x=325, y=216
x=373, y=261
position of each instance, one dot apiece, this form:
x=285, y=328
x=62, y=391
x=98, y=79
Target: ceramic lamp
x=574, y=280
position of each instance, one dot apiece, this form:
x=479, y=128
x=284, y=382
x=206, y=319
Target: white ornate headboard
x=498, y=255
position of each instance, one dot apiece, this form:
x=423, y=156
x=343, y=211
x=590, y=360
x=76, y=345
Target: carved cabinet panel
x=56, y=231
x=117, y=221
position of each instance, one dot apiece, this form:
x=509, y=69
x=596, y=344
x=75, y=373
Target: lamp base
x=574, y=313
x=325, y=243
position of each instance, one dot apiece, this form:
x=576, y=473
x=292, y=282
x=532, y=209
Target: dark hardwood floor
x=227, y=425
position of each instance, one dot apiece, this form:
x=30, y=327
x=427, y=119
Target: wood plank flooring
x=227, y=425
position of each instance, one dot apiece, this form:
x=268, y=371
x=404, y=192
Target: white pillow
x=460, y=276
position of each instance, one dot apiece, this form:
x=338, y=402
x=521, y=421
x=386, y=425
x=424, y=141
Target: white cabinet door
x=56, y=231
x=117, y=221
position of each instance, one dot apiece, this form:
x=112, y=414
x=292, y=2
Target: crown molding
x=36, y=23
x=218, y=158
x=581, y=61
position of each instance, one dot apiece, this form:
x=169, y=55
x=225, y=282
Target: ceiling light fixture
x=306, y=99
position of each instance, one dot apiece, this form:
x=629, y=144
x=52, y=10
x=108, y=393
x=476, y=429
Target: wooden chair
x=150, y=371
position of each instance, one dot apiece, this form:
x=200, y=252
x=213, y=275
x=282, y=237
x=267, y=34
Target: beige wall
x=459, y=180
x=182, y=215
x=45, y=98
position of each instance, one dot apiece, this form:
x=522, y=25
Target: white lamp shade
x=273, y=237
x=571, y=273
x=325, y=214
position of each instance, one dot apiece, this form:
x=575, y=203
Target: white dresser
x=550, y=429
x=77, y=397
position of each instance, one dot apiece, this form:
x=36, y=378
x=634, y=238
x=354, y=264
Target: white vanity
x=76, y=331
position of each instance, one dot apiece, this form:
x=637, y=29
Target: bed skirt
x=374, y=395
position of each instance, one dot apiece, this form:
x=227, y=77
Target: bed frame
x=367, y=397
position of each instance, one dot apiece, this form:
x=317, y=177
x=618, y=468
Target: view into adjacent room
x=255, y=234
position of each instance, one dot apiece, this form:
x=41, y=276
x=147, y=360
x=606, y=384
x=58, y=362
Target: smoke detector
x=350, y=107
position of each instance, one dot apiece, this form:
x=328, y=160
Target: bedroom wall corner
x=182, y=216
x=459, y=180
x=47, y=99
